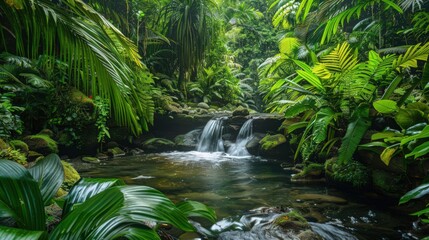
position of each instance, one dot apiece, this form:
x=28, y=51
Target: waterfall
x=211, y=137
x=239, y=148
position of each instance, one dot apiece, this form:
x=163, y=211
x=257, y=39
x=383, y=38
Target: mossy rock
x=41, y=143
x=115, y=152
x=389, y=184
x=240, y=111
x=271, y=141
x=352, y=173
x=292, y=221
x=91, y=159
x=71, y=176
x=19, y=145
x=47, y=132
x=312, y=170
x=158, y=145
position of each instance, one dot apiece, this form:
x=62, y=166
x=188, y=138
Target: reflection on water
x=234, y=185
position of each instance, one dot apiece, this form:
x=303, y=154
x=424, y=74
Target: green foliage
x=10, y=122
x=88, y=44
x=102, y=111
x=353, y=172
x=13, y=155
x=107, y=209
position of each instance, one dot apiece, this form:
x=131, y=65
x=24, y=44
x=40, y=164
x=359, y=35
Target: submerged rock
x=91, y=159
x=158, y=145
x=320, y=198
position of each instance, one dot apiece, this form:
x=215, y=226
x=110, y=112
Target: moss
x=41, y=143
x=71, y=176
x=19, y=145
x=3, y=144
x=292, y=220
x=271, y=141
x=354, y=173
x=311, y=170
x=13, y=155
x=116, y=151
x=390, y=184
x=91, y=159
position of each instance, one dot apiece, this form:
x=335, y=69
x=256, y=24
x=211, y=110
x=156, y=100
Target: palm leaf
x=7, y=233
x=301, y=106
x=49, y=173
x=411, y=56
x=197, y=209
x=86, y=188
x=116, y=206
x=20, y=197
x=356, y=129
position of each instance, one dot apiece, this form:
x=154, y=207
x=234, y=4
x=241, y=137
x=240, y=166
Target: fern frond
x=411, y=56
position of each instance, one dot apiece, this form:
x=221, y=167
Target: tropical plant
x=100, y=59
x=102, y=115
x=189, y=26
x=417, y=193
x=94, y=208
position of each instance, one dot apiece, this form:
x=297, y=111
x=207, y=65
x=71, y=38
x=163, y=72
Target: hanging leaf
x=49, y=173
x=385, y=106
x=355, y=131
x=406, y=118
x=387, y=154
x=321, y=122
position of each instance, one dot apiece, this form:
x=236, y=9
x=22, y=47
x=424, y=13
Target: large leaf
x=49, y=173
x=20, y=196
x=385, y=106
x=87, y=188
x=419, y=151
x=321, y=123
x=197, y=209
x=355, y=131
x=423, y=134
x=406, y=118
x=417, y=192
x=116, y=206
x=7, y=233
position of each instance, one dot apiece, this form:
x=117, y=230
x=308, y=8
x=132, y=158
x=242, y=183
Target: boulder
x=115, y=152
x=71, y=176
x=241, y=111
x=19, y=145
x=188, y=141
x=90, y=159
x=389, y=184
x=203, y=105
x=41, y=143
x=253, y=146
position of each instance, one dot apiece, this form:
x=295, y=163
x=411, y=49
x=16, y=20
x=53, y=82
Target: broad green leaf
x=417, y=192
x=385, y=106
x=419, y=151
x=384, y=135
x=197, y=209
x=86, y=188
x=306, y=104
x=423, y=134
x=321, y=122
x=7, y=233
x=294, y=126
x=20, y=196
x=355, y=131
x=387, y=154
x=117, y=206
x=406, y=118
x=49, y=173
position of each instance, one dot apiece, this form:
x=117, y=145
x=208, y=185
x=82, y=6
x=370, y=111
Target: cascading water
x=211, y=137
x=245, y=134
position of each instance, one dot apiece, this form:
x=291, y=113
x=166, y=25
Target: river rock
x=203, y=105
x=115, y=152
x=320, y=198
x=240, y=111
x=188, y=141
x=91, y=159
x=41, y=143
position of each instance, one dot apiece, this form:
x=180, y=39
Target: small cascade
x=245, y=134
x=211, y=137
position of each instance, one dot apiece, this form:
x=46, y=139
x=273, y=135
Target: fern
x=322, y=120
x=306, y=104
x=411, y=56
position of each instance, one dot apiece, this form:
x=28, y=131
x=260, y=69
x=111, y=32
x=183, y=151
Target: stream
x=234, y=185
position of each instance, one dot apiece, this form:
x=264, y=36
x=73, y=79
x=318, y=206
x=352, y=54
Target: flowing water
x=245, y=134
x=234, y=185
x=211, y=137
